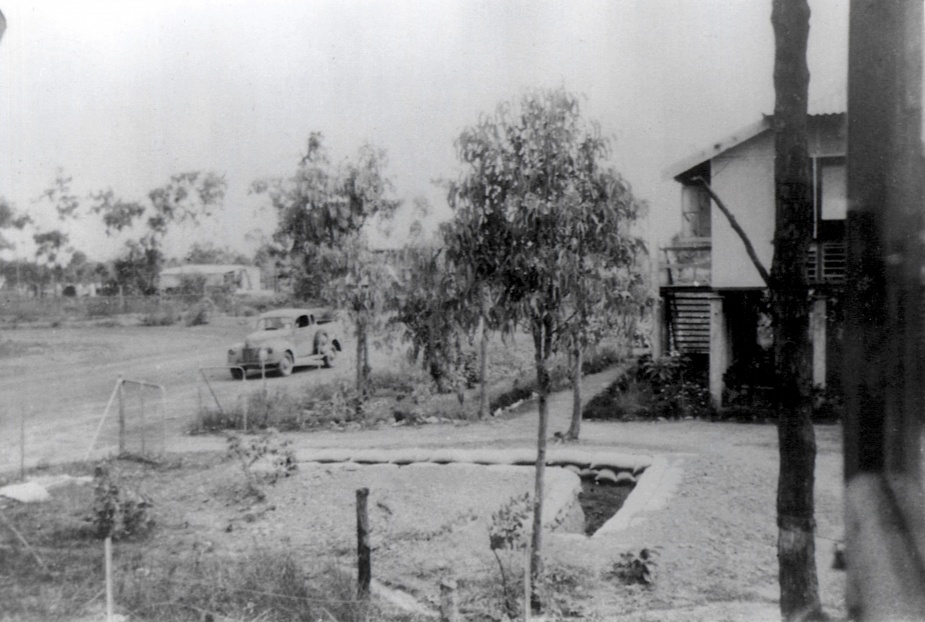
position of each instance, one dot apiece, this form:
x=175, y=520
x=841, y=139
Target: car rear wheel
x=285, y=365
x=329, y=357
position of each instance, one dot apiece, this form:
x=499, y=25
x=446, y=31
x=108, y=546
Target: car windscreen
x=273, y=323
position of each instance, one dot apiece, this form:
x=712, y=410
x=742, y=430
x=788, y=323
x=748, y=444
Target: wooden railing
x=825, y=262
x=686, y=262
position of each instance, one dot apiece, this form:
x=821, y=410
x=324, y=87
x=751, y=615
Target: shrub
x=163, y=315
x=635, y=567
x=670, y=387
x=200, y=313
x=263, y=459
x=600, y=359
x=402, y=379
x=508, y=532
x=118, y=512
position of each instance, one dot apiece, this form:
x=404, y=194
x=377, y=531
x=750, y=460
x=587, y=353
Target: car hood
x=262, y=337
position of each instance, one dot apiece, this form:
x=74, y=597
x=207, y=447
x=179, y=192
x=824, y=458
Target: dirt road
x=56, y=382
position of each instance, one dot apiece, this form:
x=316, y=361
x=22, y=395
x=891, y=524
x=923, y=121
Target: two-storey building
x=712, y=297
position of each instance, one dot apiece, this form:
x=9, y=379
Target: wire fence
x=134, y=421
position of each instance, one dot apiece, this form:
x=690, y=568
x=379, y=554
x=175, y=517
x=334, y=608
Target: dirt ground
x=56, y=382
x=715, y=533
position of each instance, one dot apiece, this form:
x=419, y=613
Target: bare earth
x=715, y=532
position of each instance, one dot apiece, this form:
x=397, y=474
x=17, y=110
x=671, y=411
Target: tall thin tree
x=790, y=303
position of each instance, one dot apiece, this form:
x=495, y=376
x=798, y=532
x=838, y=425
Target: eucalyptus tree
x=790, y=306
x=187, y=197
x=322, y=212
x=537, y=214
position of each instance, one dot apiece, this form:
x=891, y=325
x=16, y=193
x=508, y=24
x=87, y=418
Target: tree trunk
x=362, y=367
x=575, y=427
x=541, y=341
x=790, y=305
x=483, y=361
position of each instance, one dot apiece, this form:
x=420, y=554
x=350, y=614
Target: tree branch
x=738, y=229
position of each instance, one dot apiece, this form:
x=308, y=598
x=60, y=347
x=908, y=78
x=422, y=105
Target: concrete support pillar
x=720, y=349
x=817, y=326
x=659, y=333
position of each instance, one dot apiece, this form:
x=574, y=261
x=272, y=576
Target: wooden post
x=107, y=548
x=22, y=446
x=246, y=400
x=449, y=605
x=526, y=584
x=121, y=415
x=141, y=399
x=364, y=568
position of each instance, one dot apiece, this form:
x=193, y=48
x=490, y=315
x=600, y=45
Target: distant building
x=711, y=294
x=243, y=279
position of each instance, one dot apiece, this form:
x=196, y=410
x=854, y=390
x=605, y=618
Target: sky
x=124, y=94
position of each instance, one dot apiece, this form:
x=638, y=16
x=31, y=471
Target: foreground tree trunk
x=790, y=305
x=575, y=426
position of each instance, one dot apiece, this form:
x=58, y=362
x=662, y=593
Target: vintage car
x=284, y=339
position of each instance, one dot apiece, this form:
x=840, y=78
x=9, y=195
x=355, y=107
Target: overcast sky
x=124, y=94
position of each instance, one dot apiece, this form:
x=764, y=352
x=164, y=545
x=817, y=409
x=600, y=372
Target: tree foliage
x=544, y=224
x=322, y=211
x=10, y=219
x=186, y=197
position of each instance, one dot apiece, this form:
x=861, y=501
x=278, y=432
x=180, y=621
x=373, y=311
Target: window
x=831, y=197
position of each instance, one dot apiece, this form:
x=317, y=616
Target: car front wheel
x=237, y=373
x=286, y=364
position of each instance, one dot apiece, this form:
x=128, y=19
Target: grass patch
x=166, y=575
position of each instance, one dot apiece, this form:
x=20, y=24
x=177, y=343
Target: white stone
x=27, y=492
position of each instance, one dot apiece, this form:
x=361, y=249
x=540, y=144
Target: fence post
x=363, y=551
x=22, y=445
x=246, y=400
x=107, y=549
x=121, y=415
x=141, y=399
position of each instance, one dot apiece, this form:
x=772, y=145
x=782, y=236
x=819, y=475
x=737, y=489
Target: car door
x=302, y=336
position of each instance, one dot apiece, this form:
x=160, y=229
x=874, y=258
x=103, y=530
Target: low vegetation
x=671, y=387
x=402, y=395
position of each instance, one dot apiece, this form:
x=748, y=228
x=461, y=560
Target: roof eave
x=736, y=138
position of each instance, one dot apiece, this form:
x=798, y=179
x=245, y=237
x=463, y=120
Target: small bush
x=635, y=567
x=164, y=315
x=599, y=360
x=511, y=397
x=400, y=380
x=118, y=511
x=670, y=387
x=508, y=532
x=264, y=459
x=200, y=313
